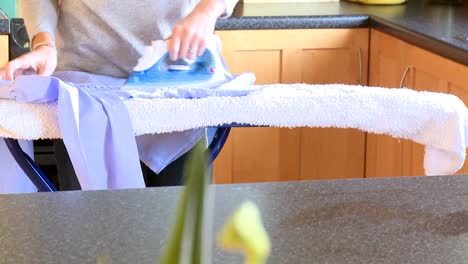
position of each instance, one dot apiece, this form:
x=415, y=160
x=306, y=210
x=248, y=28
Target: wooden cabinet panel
x=420, y=78
x=390, y=58
x=4, y=50
x=265, y=63
x=462, y=93
x=330, y=66
x=384, y=154
x=293, y=56
x=331, y=153
x=265, y=154
x=251, y=154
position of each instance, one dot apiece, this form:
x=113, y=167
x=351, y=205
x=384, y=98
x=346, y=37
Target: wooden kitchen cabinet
x=395, y=63
x=292, y=56
x=4, y=50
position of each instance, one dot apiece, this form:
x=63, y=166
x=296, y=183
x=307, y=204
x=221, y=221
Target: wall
x=9, y=7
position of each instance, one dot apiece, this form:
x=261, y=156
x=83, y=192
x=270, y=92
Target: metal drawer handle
x=405, y=73
x=360, y=66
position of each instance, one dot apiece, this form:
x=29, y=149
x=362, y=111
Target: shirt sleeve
x=40, y=16
x=229, y=4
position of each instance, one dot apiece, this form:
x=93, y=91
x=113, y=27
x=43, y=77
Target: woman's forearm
x=40, y=18
x=220, y=8
x=42, y=38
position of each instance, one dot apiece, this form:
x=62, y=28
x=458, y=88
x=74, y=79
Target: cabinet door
x=433, y=73
x=332, y=153
x=421, y=78
x=384, y=154
x=253, y=154
x=395, y=63
x=461, y=90
x=4, y=50
x=290, y=56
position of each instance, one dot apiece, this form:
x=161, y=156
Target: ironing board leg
x=43, y=184
x=217, y=144
x=29, y=167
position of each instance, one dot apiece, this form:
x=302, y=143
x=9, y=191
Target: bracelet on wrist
x=40, y=44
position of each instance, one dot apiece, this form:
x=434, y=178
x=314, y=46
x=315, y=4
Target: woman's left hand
x=189, y=36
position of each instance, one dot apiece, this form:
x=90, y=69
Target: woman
x=107, y=37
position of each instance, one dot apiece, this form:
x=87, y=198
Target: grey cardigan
x=105, y=36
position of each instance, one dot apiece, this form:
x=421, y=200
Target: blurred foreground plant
x=190, y=239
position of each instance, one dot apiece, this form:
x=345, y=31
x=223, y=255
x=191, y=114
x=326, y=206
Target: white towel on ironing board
x=439, y=121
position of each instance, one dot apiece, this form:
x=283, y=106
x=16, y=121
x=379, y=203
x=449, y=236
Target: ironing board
x=43, y=184
x=438, y=121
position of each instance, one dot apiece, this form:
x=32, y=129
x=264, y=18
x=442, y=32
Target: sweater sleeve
x=229, y=4
x=40, y=16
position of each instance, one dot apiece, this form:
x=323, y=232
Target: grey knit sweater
x=105, y=36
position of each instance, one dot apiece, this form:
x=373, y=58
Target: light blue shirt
x=97, y=131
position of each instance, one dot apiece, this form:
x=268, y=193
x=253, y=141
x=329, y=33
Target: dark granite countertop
x=393, y=220
x=435, y=27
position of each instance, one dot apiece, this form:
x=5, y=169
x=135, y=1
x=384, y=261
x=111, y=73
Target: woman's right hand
x=42, y=60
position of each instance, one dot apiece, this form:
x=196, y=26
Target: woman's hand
x=42, y=59
x=189, y=36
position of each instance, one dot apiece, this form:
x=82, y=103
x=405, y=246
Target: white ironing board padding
x=436, y=120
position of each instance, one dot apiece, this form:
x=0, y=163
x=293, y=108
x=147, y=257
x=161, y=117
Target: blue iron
x=155, y=69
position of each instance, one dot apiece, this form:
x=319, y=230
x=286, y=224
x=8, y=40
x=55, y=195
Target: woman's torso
x=108, y=36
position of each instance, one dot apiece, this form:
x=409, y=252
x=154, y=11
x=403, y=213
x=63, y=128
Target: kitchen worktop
x=437, y=28
x=388, y=220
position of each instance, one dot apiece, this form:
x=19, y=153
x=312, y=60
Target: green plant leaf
x=185, y=243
